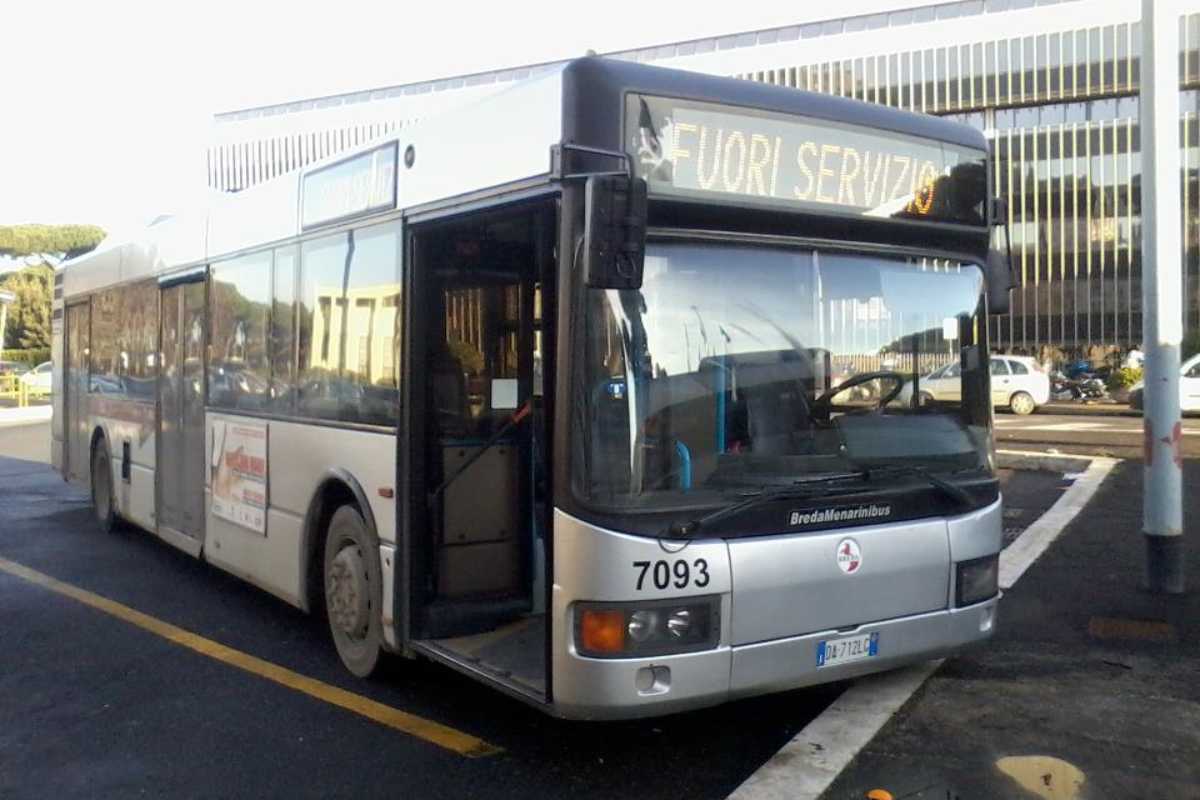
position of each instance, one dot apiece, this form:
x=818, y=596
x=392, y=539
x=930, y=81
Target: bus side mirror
x=614, y=232
x=999, y=261
x=999, y=282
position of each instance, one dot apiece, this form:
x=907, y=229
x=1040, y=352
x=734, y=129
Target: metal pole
x=1162, y=292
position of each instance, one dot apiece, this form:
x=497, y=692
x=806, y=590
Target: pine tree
x=29, y=315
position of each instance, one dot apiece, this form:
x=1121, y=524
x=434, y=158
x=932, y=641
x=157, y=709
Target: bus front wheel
x=102, y=488
x=353, y=591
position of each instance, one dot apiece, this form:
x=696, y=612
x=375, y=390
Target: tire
x=353, y=590
x=925, y=399
x=103, y=501
x=1022, y=404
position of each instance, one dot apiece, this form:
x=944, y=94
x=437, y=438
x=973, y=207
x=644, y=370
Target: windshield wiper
x=959, y=495
x=797, y=490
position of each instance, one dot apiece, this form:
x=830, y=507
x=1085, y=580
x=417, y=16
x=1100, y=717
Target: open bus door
x=478, y=435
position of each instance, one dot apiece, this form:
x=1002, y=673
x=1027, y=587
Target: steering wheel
x=823, y=405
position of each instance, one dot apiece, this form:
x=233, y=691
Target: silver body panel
x=779, y=597
x=300, y=457
x=791, y=585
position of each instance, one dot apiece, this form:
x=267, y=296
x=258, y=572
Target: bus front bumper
x=592, y=688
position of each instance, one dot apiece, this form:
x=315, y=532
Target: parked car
x=39, y=377
x=1018, y=382
x=1189, y=387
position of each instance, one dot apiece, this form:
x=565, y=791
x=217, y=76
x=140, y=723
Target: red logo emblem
x=849, y=556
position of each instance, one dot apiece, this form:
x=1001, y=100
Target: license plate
x=831, y=652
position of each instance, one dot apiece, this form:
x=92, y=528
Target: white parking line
x=809, y=763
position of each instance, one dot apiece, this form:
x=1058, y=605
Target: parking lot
x=95, y=706
x=127, y=667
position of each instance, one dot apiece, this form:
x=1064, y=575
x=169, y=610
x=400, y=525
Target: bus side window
x=239, y=312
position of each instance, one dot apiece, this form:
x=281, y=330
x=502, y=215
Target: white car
x=1189, y=387
x=1018, y=382
x=38, y=378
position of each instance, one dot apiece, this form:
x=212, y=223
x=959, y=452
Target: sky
x=108, y=106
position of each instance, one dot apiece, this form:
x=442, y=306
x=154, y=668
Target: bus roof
x=500, y=140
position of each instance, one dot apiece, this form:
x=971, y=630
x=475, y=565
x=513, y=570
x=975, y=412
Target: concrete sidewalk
x=26, y=415
x=1090, y=689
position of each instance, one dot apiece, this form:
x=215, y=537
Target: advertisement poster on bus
x=239, y=482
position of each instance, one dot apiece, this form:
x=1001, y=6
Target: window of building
x=239, y=366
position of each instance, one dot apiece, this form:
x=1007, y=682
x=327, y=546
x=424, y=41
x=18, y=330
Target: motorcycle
x=1083, y=387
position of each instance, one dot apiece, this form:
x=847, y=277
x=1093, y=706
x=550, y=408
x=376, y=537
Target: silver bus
x=588, y=390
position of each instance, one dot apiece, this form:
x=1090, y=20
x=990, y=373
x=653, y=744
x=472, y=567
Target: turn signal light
x=602, y=631
x=642, y=628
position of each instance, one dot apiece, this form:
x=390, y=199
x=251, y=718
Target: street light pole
x=1162, y=292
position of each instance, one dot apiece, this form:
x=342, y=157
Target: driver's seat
x=777, y=416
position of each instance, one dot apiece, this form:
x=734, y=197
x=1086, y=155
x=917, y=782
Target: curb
x=1083, y=410
x=1043, y=462
x=806, y=766
x=25, y=416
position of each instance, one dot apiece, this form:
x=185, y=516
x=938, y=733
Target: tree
x=40, y=248
x=29, y=316
x=48, y=244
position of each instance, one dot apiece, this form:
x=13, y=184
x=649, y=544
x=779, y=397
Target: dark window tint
x=125, y=341
x=999, y=367
x=239, y=370
x=1018, y=368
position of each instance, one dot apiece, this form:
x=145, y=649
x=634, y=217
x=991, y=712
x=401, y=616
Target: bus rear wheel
x=353, y=591
x=102, y=489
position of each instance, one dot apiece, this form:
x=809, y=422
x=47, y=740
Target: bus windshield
x=737, y=367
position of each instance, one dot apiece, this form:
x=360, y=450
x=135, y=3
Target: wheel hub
x=347, y=592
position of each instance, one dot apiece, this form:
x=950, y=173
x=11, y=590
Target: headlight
x=977, y=580
x=654, y=627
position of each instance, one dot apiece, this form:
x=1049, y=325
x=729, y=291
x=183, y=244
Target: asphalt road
x=1117, y=436
x=93, y=706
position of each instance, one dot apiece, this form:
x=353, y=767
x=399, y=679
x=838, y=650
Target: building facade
x=1054, y=86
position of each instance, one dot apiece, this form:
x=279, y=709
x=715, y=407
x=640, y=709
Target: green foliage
x=29, y=357
x=59, y=241
x=1190, y=345
x=1123, y=378
x=29, y=315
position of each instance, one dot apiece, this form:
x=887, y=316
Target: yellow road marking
x=428, y=730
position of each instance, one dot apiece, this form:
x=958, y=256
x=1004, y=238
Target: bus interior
x=479, y=565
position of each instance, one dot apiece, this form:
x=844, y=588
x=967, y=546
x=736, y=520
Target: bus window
x=372, y=327
x=239, y=311
x=322, y=269
x=283, y=332
x=349, y=326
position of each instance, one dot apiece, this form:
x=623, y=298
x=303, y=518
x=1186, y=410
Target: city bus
x=590, y=390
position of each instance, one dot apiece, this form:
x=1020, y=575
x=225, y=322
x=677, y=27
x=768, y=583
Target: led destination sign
x=350, y=188
x=702, y=150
